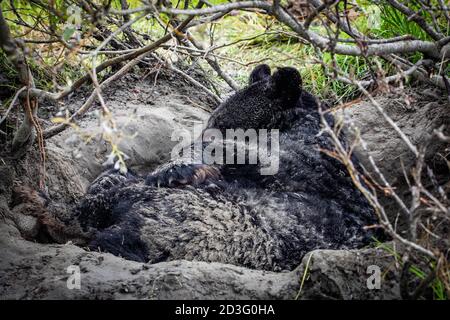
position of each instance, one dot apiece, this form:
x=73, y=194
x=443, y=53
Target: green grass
x=277, y=49
x=282, y=49
x=437, y=286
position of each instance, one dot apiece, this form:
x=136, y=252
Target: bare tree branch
x=323, y=43
x=135, y=57
x=25, y=135
x=417, y=18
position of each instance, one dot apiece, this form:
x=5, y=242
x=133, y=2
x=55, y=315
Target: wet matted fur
x=261, y=222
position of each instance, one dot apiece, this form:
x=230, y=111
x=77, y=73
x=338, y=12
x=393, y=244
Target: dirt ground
x=148, y=112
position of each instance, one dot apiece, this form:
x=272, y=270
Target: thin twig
x=11, y=105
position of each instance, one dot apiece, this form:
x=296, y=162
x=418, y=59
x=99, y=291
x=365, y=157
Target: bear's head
x=285, y=83
x=255, y=105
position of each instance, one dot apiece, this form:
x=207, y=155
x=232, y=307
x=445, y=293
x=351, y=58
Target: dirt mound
x=35, y=270
x=417, y=112
x=146, y=112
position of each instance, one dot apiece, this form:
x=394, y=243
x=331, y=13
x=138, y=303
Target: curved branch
x=321, y=42
x=113, y=61
x=372, y=50
x=417, y=18
x=135, y=57
x=222, y=7
x=375, y=48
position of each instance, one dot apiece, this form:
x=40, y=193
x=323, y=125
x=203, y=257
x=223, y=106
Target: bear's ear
x=287, y=83
x=261, y=72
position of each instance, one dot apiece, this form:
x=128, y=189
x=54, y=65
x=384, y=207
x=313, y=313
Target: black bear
x=259, y=221
x=268, y=102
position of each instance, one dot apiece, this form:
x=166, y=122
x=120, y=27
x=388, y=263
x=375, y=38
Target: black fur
x=259, y=73
x=262, y=222
x=255, y=106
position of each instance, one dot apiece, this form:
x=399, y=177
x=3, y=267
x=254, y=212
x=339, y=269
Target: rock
x=23, y=275
x=35, y=271
x=344, y=275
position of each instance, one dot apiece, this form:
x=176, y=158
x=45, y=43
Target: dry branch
x=25, y=135
x=135, y=57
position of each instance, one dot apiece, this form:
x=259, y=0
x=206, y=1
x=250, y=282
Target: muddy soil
x=148, y=111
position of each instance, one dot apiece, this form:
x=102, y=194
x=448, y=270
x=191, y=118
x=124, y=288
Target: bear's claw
x=175, y=175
